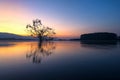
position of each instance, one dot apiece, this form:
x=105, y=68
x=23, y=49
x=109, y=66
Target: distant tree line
x=99, y=36
x=119, y=38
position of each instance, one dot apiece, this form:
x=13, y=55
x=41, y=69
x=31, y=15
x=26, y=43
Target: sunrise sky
x=69, y=18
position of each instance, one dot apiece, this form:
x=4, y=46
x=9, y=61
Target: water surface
x=65, y=60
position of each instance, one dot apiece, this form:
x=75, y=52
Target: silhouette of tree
x=37, y=29
x=36, y=53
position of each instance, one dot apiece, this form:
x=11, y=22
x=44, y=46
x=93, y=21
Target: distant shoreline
x=55, y=40
x=89, y=36
x=18, y=40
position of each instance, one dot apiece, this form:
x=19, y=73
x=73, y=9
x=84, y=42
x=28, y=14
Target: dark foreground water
x=59, y=61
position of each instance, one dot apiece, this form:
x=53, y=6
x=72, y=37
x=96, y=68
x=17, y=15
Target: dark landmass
x=119, y=38
x=14, y=37
x=60, y=39
x=99, y=36
x=91, y=37
x=77, y=39
x=9, y=36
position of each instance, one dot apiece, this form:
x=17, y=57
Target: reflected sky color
x=15, y=51
x=59, y=60
x=69, y=18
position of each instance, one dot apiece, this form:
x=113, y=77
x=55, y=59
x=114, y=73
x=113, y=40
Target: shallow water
x=59, y=60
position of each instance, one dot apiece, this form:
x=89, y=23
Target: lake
x=59, y=60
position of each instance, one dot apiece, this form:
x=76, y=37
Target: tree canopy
x=37, y=29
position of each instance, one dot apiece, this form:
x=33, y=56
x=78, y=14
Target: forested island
x=99, y=36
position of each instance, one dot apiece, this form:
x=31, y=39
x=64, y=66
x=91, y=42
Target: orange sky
x=15, y=17
x=69, y=19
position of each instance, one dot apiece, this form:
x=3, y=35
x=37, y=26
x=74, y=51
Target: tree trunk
x=40, y=39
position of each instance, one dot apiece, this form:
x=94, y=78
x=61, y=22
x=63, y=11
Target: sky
x=69, y=18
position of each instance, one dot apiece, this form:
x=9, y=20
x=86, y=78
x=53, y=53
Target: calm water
x=59, y=61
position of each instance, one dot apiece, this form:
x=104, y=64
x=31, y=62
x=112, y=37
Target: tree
x=37, y=29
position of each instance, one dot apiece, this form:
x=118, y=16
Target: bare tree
x=37, y=29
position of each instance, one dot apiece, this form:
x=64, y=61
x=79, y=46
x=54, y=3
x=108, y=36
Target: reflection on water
x=61, y=60
x=37, y=52
x=2, y=44
x=99, y=44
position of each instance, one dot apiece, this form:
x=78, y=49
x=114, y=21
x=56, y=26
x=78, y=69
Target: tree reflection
x=37, y=52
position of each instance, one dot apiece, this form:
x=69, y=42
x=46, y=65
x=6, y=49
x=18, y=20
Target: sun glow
x=15, y=17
